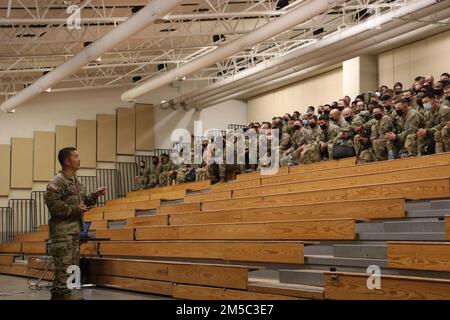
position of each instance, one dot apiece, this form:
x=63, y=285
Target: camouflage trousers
x=181, y=176
x=380, y=149
x=65, y=252
x=445, y=133
x=441, y=139
x=309, y=154
x=367, y=156
x=141, y=183
x=202, y=174
x=165, y=179
x=406, y=148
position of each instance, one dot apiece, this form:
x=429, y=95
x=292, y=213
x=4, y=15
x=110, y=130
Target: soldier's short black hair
x=419, y=78
x=64, y=153
x=445, y=74
x=429, y=94
x=313, y=117
x=324, y=117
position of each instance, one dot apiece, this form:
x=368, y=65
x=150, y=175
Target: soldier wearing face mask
x=383, y=124
x=304, y=148
x=386, y=103
x=327, y=135
x=398, y=88
x=436, y=117
x=337, y=119
x=447, y=96
x=404, y=143
x=438, y=90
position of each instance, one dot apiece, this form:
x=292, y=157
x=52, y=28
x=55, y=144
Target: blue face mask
x=427, y=106
x=305, y=122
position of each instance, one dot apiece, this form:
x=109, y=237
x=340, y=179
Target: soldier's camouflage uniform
x=162, y=171
x=407, y=126
x=143, y=178
x=435, y=122
x=378, y=137
x=62, y=197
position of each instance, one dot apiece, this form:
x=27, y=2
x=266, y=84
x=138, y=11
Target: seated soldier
x=326, y=138
x=404, y=143
x=153, y=177
x=165, y=171
x=383, y=124
x=144, y=176
x=436, y=116
x=305, y=148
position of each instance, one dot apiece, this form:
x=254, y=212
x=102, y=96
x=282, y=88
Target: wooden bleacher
x=213, y=237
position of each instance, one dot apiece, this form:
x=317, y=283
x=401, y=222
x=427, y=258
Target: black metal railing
x=23, y=216
x=41, y=213
x=110, y=179
x=6, y=225
x=127, y=172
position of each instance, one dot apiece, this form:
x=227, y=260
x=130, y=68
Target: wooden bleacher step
x=261, y=251
x=336, y=229
x=353, y=286
x=432, y=256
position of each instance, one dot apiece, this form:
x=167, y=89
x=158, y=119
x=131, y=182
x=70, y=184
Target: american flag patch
x=53, y=186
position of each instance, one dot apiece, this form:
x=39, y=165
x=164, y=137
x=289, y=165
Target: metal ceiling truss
x=35, y=38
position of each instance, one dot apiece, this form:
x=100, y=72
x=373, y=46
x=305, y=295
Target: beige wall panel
x=126, y=131
x=65, y=137
x=5, y=167
x=297, y=96
x=106, y=136
x=401, y=65
x=145, y=140
x=44, y=150
x=87, y=142
x=386, y=68
x=21, y=163
x=425, y=57
x=417, y=65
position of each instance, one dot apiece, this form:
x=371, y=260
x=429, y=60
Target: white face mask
x=427, y=106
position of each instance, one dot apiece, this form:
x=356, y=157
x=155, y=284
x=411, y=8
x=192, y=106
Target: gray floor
x=16, y=288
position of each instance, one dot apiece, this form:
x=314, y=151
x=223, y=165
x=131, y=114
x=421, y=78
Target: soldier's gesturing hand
x=100, y=191
x=82, y=208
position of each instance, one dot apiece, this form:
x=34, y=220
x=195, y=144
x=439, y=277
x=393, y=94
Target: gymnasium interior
x=129, y=81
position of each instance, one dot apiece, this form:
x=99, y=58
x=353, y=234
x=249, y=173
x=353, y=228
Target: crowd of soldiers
x=387, y=124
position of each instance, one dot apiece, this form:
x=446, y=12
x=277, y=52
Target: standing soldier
x=67, y=200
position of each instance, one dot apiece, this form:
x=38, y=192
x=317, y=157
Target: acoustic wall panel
x=65, y=137
x=87, y=142
x=126, y=131
x=21, y=163
x=44, y=150
x=144, y=127
x=106, y=137
x=5, y=169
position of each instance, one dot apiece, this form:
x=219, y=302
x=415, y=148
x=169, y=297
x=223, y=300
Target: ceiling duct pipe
x=289, y=20
x=154, y=10
x=385, y=44
x=349, y=51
